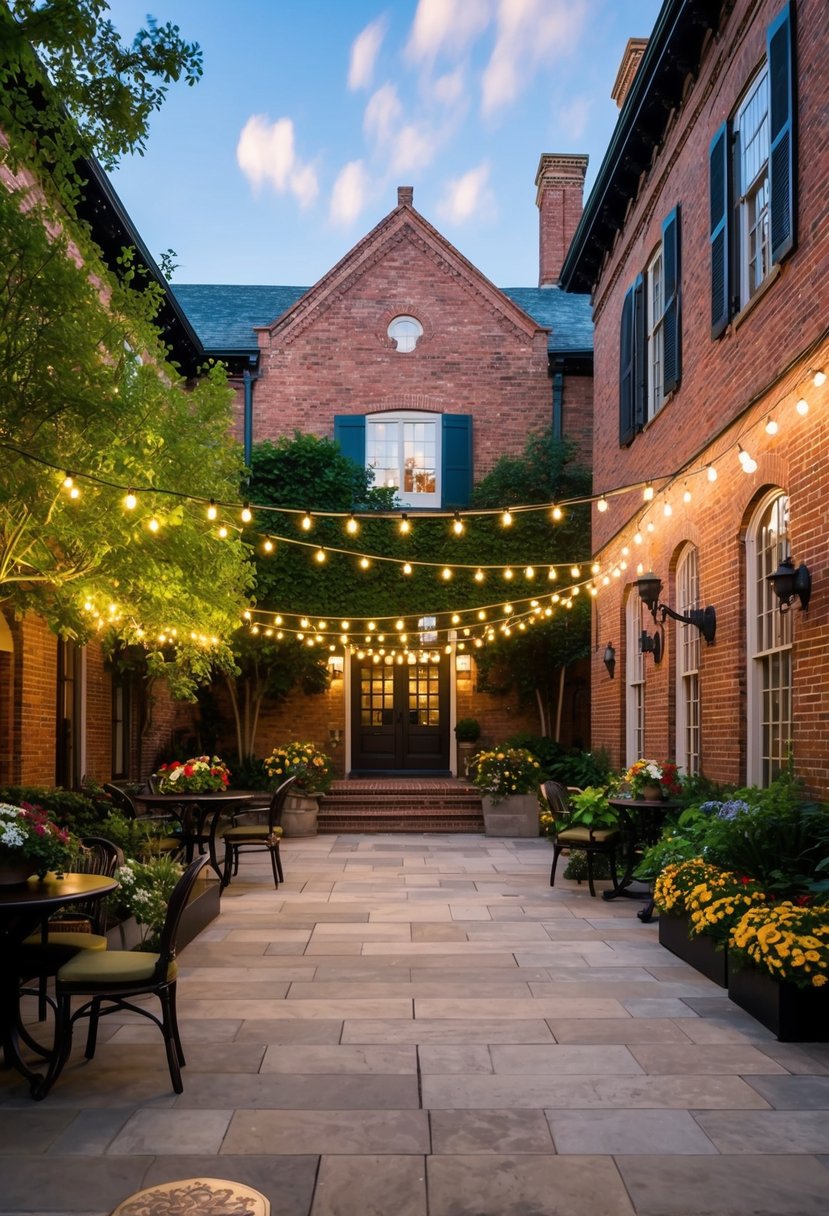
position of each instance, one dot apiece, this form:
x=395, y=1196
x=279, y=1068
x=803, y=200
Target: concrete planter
x=517, y=815
x=299, y=815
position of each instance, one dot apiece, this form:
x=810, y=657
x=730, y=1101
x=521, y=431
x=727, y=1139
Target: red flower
x=802, y=901
x=188, y=770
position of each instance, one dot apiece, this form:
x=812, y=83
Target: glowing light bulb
x=68, y=481
x=407, y=569
x=557, y=514
x=648, y=492
x=508, y=609
x=575, y=572
x=446, y=573
x=405, y=525
x=153, y=525
x=246, y=614
x=458, y=525
x=743, y=456
x=506, y=517
x=320, y=555
x=222, y=530
x=602, y=504
x=456, y=620
x=246, y=514
x=352, y=527
x=686, y=495
x=529, y=572
x=345, y=626
x=637, y=538
x=399, y=624
x=371, y=626
x=479, y=576
x=130, y=502
x=667, y=510
x=595, y=568
x=481, y=615
x=364, y=563
x=508, y=573
x=819, y=378
x=268, y=546
x=277, y=620
x=74, y=492
x=551, y=574
x=750, y=466
x=711, y=473
x=211, y=510
x=651, y=526
x=306, y=522
x=304, y=623
x=802, y=407
x=771, y=426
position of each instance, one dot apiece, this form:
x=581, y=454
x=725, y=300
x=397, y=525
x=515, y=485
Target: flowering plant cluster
x=643, y=773
x=27, y=834
x=788, y=940
x=145, y=890
x=674, y=885
x=202, y=775
x=718, y=902
x=312, y=768
x=505, y=771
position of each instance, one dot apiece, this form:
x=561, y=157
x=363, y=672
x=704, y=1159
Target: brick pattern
x=784, y=329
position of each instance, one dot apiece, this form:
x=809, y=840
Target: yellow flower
x=818, y=981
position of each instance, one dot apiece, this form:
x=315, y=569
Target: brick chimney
x=559, y=198
x=405, y=196
x=628, y=68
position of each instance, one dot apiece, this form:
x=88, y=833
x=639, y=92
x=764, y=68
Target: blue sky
x=312, y=112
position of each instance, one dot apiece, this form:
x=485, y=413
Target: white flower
x=653, y=770
x=12, y=836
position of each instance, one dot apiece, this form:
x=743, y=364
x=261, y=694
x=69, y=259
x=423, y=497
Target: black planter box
x=202, y=908
x=701, y=952
x=794, y=1015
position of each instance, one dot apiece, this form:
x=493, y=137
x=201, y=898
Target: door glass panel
x=376, y=698
x=424, y=695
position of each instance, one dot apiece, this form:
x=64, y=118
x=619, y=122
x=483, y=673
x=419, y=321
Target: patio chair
x=111, y=979
x=258, y=837
x=160, y=840
x=556, y=797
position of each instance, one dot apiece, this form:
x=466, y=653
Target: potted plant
x=30, y=843
x=313, y=773
x=200, y=775
x=467, y=734
x=781, y=976
x=508, y=779
x=651, y=780
x=672, y=891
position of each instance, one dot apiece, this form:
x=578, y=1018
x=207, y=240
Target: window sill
x=748, y=309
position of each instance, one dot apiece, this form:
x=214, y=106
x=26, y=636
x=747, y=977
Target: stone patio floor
x=420, y=1026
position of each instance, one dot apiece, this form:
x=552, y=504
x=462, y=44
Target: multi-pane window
x=404, y=453
x=687, y=664
x=751, y=130
x=769, y=645
x=405, y=332
x=424, y=694
x=654, y=318
x=635, y=681
x=376, y=695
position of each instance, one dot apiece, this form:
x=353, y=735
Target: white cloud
x=364, y=51
x=572, y=119
x=382, y=115
x=349, y=194
x=446, y=25
x=266, y=155
x=414, y=148
x=529, y=34
x=449, y=89
x=467, y=197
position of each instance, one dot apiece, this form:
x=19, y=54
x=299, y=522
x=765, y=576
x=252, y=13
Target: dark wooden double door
x=400, y=716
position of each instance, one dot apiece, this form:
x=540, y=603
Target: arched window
x=634, y=680
x=405, y=332
x=769, y=644
x=687, y=664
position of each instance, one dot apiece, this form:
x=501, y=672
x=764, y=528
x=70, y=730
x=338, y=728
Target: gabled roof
x=225, y=316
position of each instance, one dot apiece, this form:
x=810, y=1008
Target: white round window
x=404, y=332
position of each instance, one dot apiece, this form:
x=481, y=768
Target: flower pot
x=466, y=750
x=299, y=815
x=652, y=792
x=516, y=815
x=15, y=873
x=794, y=1015
x=700, y=951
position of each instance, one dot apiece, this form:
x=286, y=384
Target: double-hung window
x=654, y=336
x=425, y=457
x=752, y=180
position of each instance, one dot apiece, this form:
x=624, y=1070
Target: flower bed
x=29, y=840
x=200, y=775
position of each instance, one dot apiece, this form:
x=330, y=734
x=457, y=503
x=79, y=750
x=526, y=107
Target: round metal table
x=642, y=823
x=195, y=809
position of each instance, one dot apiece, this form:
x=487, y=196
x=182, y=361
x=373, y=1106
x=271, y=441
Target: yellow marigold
x=818, y=981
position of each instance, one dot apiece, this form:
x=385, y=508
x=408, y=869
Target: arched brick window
x=769, y=643
x=634, y=680
x=687, y=664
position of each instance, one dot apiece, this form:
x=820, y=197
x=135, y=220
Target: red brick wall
x=764, y=359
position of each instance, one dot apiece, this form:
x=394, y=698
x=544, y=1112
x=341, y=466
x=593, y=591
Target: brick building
x=705, y=244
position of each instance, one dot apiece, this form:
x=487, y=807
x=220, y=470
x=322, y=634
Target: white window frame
x=401, y=418
x=634, y=680
x=751, y=179
x=687, y=648
x=654, y=333
x=769, y=644
x=405, y=331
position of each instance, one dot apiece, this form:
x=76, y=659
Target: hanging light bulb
x=711, y=472
x=557, y=514
x=667, y=510
x=529, y=572
x=399, y=624
x=277, y=620
x=154, y=525
x=320, y=555
x=637, y=538
x=211, y=510
x=575, y=572
x=364, y=563
x=508, y=609
x=686, y=494
x=352, y=527
x=819, y=378
x=458, y=525
x=456, y=620
x=481, y=614
x=222, y=532
x=551, y=574
x=68, y=481
x=802, y=407
x=446, y=573
x=268, y=546
x=304, y=623
x=506, y=517
x=508, y=573
x=771, y=426
x=130, y=502
x=595, y=568
x=246, y=514
x=345, y=626
x=307, y=522
x=648, y=492
x=742, y=455
x=371, y=626
x=407, y=568
x=479, y=576
x=405, y=526
x=602, y=504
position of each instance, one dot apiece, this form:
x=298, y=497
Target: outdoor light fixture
x=649, y=587
x=609, y=659
x=786, y=583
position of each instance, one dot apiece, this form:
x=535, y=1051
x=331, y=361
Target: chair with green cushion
x=258, y=837
x=164, y=832
x=111, y=979
x=567, y=835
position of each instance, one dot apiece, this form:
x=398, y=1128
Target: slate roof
x=224, y=316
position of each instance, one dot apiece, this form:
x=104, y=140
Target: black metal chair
x=164, y=833
x=111, y=980
x=556, y=797
x=258, y=837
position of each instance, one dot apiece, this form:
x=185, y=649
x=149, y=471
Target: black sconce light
x=609, y=659
x=704, y=619
x=786, y=583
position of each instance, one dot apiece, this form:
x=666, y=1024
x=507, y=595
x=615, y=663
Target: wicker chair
x=556, y=797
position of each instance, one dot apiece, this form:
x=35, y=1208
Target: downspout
x=248, y=378
x=558, y=398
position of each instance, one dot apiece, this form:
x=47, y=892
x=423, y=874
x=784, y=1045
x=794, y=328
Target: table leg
x=11, y=1027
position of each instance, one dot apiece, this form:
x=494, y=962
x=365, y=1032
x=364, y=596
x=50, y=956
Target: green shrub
x=576, y=867
x=80, y=814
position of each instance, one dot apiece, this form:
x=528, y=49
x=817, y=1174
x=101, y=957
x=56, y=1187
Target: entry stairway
x=401, y=804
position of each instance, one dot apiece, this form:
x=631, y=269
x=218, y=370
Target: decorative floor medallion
x=191, y=1196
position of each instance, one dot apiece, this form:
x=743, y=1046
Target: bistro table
x=195, y=809
x=23, y=907
x=642, y=820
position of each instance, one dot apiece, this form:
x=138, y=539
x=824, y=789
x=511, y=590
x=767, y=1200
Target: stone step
x=401, y=805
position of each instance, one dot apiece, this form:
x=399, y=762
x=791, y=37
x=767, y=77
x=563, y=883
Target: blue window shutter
x=719, y=195
x=640, y=367
x=672, y=279
x=350, y=434
x=782, y=135
x=456, y=460
x=627, y=427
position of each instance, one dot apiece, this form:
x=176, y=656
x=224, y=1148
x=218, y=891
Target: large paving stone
x=525, y=1185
